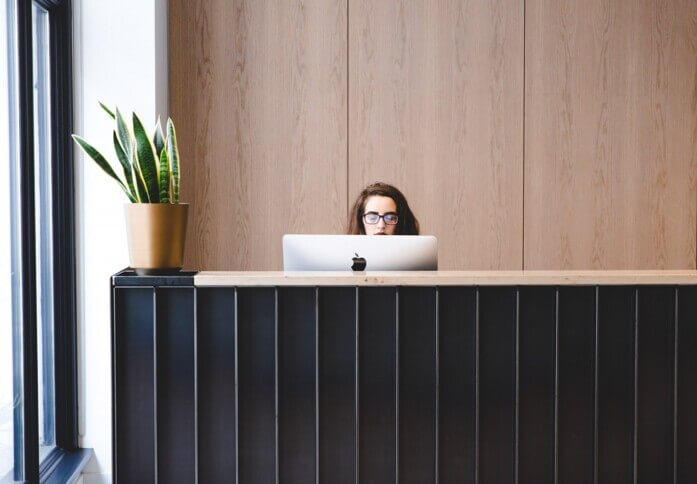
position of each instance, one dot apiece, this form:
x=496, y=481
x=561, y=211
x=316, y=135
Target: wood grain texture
x=258, y=92
x=446, y=278
x=285, y=110
x=436, y=108
x=610, y=134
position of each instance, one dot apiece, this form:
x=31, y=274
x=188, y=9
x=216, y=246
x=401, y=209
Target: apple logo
x=359, y=263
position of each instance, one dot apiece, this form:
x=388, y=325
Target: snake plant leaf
x=124, y=134
x=125, y=164
x=158, y=139
x=140, y=184
x=145, y=156
x=102, y=163
x=164, y=177
x=108, y=111
x=173, y=155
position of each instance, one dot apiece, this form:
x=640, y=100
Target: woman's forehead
x=379, y=203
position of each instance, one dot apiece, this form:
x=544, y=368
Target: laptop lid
x=303, y=252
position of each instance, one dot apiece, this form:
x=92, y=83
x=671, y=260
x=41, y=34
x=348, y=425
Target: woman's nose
x=381, y=222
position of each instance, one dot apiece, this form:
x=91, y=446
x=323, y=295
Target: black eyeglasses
x=372, y=218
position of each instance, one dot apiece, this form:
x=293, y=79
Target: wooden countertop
x=448, y=278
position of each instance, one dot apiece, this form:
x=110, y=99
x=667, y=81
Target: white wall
x=120, y=58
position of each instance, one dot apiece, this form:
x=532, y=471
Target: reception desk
x=424, y=377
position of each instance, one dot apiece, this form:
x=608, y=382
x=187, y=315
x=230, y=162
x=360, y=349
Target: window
x=38, y=421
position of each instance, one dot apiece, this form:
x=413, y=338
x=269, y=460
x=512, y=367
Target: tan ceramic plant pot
x=156, y=234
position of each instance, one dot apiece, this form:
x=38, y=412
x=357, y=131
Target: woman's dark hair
x=406, y=224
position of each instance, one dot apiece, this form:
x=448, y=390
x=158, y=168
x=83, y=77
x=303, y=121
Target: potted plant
x=155, y=220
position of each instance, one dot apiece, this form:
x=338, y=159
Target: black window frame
x=66, y=457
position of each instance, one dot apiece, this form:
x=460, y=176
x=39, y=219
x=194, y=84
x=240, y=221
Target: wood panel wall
x=258, y=92
x=610, y=134
x=525, y=133
x=436, y=108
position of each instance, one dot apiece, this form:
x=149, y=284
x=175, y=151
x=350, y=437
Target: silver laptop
x=360, y=252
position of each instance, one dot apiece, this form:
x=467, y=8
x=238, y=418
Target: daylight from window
x=43, y=206
x=6, y=391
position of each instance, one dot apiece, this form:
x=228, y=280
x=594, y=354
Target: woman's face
x=380, y=205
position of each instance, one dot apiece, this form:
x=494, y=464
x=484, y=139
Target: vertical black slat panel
x=337, y=383
x=417, y=384
x=616, y=321
x=134, y=372
x=175, y=385
x=377, y=381
x=576, y=385
x=497, y=384
x=457, y=385
x=655, y=366
x=215, y=339
x=686, y=428
x=256, y=345
x=296, y=384
x=536, y=379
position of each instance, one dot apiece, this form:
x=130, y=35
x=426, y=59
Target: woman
x=381, y=209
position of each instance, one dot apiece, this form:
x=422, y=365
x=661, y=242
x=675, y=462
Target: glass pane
x=44, y=228
x=11, y=419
